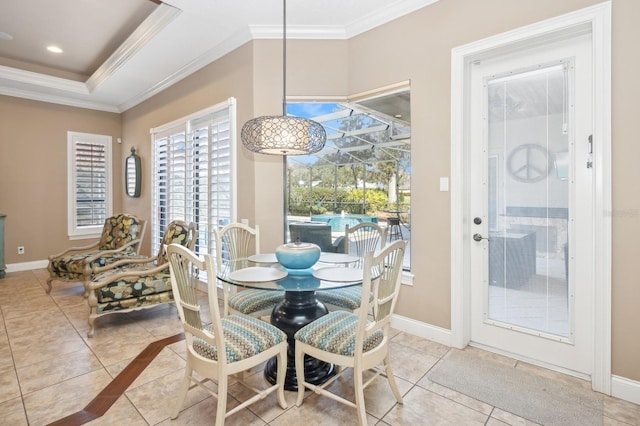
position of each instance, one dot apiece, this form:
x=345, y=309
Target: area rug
x=535, y=398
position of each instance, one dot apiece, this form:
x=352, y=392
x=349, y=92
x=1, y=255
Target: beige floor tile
x=427, y=346
x=6, y=357
x=41, y=347
x=9, y=387
x=115, y=345
x=204, y=413
x=422, y=407
x=409, y=363
x=167, y=362
x=60, y=370
x=510, y=419
x=623, y=411
x=156, y=399
x=266, y=409
x=12, y=412
x=455, y=396
x=320, y=411
x=65, y=398
x=123, y=412
x=54, y=370
x=495, y=422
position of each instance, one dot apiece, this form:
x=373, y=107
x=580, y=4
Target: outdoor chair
x=352, y=340
x=121, y=237
x=227, y=346
x=132, y=284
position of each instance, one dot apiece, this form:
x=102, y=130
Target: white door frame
x=598, y=20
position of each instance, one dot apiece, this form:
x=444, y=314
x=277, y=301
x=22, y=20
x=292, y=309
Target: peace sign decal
x=528, y=163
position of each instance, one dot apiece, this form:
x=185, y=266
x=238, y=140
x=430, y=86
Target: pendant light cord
x=284, y=58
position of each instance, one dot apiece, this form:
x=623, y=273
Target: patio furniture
x=316, y=233
x=227, y=346
x=351, y=340
x=132, y=284
x=394, y=228
x=121, y=237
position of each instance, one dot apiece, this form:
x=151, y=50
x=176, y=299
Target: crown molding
x=60, y=100
x=42, y=80
x=211, y=55
x=387, y=14
x=156, y=22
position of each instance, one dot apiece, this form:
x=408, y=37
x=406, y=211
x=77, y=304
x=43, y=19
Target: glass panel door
x=528, y=199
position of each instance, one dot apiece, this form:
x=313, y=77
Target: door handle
x=478, y=237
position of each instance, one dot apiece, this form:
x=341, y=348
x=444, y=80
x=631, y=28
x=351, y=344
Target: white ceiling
x=117, y=53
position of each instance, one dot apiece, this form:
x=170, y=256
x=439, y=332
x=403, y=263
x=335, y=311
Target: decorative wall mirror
x=132, y=174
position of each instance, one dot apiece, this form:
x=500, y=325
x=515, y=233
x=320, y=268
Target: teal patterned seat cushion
x=336, y=333
x=347, y=298
x=244, y=337
x=253, y=300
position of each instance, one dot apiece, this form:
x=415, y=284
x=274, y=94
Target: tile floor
x=49, y=369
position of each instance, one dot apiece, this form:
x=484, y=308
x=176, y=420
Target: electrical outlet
x=20, y=249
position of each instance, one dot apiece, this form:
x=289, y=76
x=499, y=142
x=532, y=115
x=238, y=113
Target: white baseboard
x=626, y=389
x=421, y=329
x=27, y=266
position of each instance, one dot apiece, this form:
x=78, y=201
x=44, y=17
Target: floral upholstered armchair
x=121, y=237
x=132, y=284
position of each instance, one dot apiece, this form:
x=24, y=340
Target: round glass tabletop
x=244, y=273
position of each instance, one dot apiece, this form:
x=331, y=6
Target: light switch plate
x=444, y=184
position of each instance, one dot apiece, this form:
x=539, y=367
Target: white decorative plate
x=338, y=274
x=257, y=274
x=337, y=258
x=263, y=258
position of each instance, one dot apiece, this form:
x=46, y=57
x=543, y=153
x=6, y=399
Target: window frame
x=74, y=230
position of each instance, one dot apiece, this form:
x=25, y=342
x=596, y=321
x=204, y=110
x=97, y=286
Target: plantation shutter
x=89, y=183
x=192, y=178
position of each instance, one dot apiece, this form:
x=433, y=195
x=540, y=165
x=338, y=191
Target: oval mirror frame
x=132, y=174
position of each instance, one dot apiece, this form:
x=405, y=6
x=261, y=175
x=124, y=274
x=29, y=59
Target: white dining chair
x=228, y=346
x=352, y=340
x=238, y=241
x=358, y=240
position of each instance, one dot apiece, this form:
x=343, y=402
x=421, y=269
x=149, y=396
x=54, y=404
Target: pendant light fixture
x=281, y=134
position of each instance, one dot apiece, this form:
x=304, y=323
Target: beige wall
x=231, y=76
x=424, y=58
x=33, y=173
x=416, y=48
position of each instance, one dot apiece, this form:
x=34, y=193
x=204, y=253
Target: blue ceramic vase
x=298, y=257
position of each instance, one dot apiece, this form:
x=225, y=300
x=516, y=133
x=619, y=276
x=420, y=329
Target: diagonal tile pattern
x=50, y=370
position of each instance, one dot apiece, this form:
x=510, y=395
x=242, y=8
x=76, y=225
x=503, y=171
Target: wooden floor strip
x=110, y=394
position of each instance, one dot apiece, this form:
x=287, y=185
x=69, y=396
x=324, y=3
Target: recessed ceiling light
x=398, y=115
x=54, y=49
x=5, y=36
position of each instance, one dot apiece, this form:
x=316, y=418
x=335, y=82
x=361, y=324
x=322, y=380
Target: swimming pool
x=338, y=221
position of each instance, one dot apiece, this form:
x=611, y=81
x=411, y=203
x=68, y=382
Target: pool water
x=339, y=221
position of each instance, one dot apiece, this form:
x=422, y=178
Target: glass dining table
x=299, y=306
